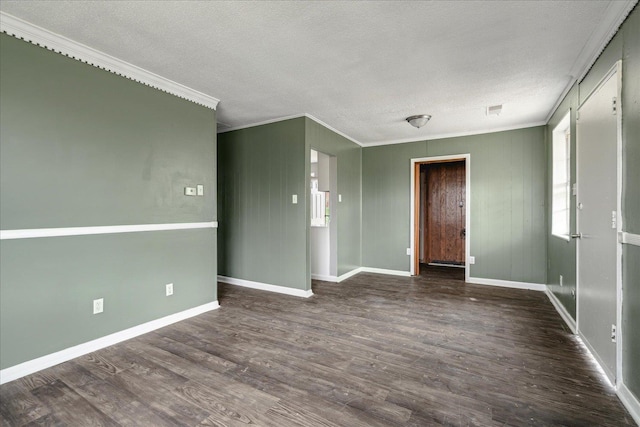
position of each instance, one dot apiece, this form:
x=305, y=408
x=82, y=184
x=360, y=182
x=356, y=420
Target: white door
x=597, y=222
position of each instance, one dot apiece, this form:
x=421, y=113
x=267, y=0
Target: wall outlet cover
x=169, y=289
x=189, y=191
x=98, y=305
x=408, y=251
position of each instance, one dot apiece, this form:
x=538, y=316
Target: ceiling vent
x=494, y=110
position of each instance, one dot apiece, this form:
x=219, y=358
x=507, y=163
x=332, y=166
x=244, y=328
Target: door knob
x=576, y=236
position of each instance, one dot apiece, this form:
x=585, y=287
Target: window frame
x=561, y=179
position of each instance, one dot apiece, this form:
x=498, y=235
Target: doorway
x=323, y=199
x=440, y=214
x=598, y=222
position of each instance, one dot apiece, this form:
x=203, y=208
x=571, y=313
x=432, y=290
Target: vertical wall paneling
x=263, y=236
x=349, y=172
x=81, y=147
x=504, y=197
x=562, y=255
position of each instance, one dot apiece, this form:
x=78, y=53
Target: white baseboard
x=266, y=287
x=630, y=401
x=385, y=271
x=606, y=371
x=49, y=360
x=355, y=271
x=508, y=284
x=324, y=278
x=571, y=323
x=351, y=273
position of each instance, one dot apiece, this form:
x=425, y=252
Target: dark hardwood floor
x=371, y=351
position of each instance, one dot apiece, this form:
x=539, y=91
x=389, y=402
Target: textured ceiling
x=359, y=67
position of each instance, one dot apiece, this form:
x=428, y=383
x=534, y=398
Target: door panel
x=445, y=234
x=597, y=200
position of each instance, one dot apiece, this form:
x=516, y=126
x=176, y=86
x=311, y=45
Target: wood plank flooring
x=374, y=350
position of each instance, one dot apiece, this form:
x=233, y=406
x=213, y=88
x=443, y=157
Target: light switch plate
x=294, y=199
x=339, y=198
x=472, y=260
x=200, y=190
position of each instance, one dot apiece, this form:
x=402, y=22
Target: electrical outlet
x=408, y=251
x=472, y=260
x=613, y=333
x=189, y=191
x=561, y=280
x=169, y=289
x=98, y=305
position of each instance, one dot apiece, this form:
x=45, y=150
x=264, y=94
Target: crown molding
x=38, y=36
x=296, y=116
x=264, y=122
x=454, y=134
x=332, y=129
x=613, y=17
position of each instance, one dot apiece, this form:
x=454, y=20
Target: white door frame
x=615, y=69
x=467, y=170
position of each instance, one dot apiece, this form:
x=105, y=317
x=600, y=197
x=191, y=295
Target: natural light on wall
x=561, y=202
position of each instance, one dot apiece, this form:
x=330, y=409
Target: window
x=561, y=158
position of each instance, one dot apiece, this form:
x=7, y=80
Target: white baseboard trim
x=49, y=360
x=508, y=284
x=351, y=273
x=606, y=372
x=324, y=278
x=385, y=271
x=630, y=401
x=266, y=287
x=571, y=323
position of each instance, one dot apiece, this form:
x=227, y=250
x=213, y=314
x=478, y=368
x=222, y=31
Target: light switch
x=472, y=260
x=189, y=191
x=339, y=198
x=200, y=190
x=294, y=199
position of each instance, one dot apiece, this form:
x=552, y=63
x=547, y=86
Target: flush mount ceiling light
x=419, y=120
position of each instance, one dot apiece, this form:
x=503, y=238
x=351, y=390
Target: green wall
x=562, y=257
x=508, y=228
x=562, y=253
x=80, y=146
x=349, y=215
x=263, y=236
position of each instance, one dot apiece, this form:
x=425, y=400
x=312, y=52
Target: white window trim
x=562, y=130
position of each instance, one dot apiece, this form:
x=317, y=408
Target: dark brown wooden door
x=445, y=229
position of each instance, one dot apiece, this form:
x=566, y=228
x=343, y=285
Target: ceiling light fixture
x=419, y=120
